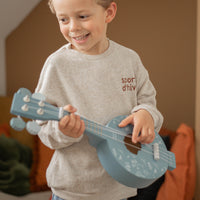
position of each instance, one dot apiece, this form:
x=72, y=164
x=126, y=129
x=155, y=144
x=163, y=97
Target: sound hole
x=132, y=147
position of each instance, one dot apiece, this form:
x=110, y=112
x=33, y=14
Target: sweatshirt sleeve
x=49, y=85
x=146, y=95
x=52, y=137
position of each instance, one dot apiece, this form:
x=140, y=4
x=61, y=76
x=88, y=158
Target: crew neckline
x=92, y=57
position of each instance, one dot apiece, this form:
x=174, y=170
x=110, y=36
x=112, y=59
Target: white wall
x=2, y=68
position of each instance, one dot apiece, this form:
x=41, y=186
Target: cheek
x=64, y=31
x=94, y=28
x=100, y=27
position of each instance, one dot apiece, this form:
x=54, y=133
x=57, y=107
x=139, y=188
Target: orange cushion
x=41, y=158
x=5, y=129
x=180, y=183
x=167, y=132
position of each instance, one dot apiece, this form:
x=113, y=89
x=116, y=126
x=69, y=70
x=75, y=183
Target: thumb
x=70, y=108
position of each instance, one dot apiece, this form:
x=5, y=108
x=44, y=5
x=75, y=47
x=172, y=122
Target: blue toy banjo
x=134, y=165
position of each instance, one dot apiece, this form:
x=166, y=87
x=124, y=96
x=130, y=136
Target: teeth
x=78, y=35
x=81, y=37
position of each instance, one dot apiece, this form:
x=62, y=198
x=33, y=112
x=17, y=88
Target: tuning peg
x=17, y=123
x=32, y=127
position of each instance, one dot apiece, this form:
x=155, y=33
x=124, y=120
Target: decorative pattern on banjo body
x=134, y=165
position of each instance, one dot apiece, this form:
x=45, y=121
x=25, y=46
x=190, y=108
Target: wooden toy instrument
x=134, y=165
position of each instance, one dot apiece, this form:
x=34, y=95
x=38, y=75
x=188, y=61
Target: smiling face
x=83, y=23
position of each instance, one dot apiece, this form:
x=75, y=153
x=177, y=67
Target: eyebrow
x=61, y=14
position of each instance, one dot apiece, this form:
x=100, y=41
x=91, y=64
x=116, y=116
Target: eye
x=63, y=20
x=83, y=16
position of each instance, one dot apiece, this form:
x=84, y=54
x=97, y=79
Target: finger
x=82, y=128
x=135, y=134
x=148, y=137
x=75, y=123
x=70, y=108
x=64, y=121
x=151, y=136
x=126, y=121
x=144, y=136
x=77, y=126
x=72, y=122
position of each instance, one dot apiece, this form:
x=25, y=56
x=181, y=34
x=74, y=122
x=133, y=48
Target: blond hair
x=103, y=3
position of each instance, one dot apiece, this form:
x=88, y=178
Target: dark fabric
x=15, y=164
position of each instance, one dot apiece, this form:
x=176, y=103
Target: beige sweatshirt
x=101, y=87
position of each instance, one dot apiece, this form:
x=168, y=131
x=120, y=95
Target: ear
x=111, y=12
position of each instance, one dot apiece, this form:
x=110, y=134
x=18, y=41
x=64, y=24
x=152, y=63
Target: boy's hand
x=71, y=125
x=143, y=130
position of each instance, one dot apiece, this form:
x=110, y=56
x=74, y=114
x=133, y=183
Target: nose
x=74, y=25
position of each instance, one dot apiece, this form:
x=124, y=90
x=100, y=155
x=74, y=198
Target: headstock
x=32, y=106
x=21, y=107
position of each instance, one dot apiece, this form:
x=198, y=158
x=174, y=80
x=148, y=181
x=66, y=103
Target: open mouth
x=81, y=37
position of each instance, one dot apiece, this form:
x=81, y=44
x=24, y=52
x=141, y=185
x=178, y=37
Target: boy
x=102, y=79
